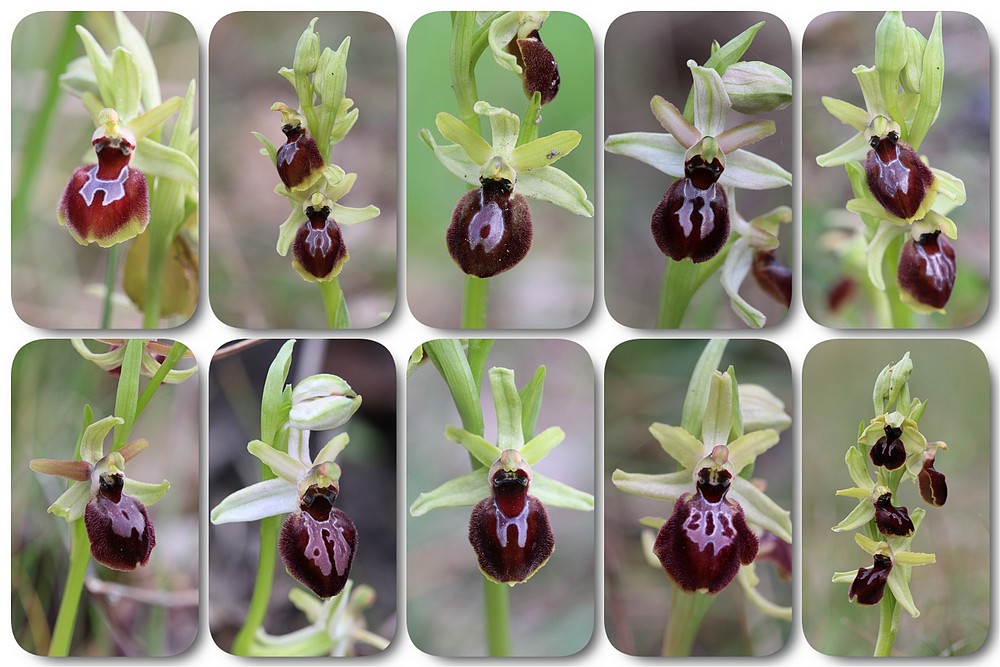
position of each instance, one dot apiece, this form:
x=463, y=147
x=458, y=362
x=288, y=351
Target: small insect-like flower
x=933, y=486
x=299, y=162
x=106, y=203
x=773, y=276
x=517, y=46
x=490, y=229
x=868, y=586
x=112, y=506
x=891, y=520
x=896, y=176
x=318, y=249
x=894, y=440
x=926, y=273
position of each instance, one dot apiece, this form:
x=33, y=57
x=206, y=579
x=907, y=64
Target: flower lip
x=119, y=528
x=691, y=222
x=490, y=229
x=927, y=269
x=888, y=451
x=897, y=177
x=510, y=548
x=869, y=584
x=540, y=70
x=892, y=520
x=318, y=543
x=932, y=483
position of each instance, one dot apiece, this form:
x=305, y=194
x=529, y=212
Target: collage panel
x=105, y=435
x=896, y=169
x=500, y=170
x=699, y=461
x=905, y=570
x=500, y=558
x=302, y=498
x=104, y=142
x=691, y=215
x=303, y=115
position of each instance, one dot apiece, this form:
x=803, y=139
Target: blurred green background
x=646, y=54
x=250, y=284
x=959, y=142
x=56, y=282
x=553, y=287
x=953, y=595
x=646, y=381
x=553, y=613
x=368, y=485
x=50, y=384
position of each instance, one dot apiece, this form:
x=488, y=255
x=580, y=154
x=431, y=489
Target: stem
x=463, y=76
x=686, y=613
x=110, y=274
x=886, y=627
x=334, y=304
x=79, y=557
x=496, y=602
x=680, y=281
x=269, y=528
x=474, y=302
x=176, y=352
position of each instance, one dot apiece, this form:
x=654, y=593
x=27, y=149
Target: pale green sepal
x=748, y=580
x=874, y=253
x=144, y=124
x=914, y=558
x=854, y=492
x=917, y=408
x=845, y=577
x=868, y=79
x=507, y=402
x=647, y=540
x=679, y=444
x=535, y=449
x=734, y=271
x=744, y=450
x=556, y=187
x=736, y=429
x=674, y=122
x=900, y=375
x=668, y=486
x=306, y=642
x=531, y=403
x=92, y=443
x=72, y=504
x=257, y=501
x=288, y=229
x=880, y=394
x=309, y=605
x=847, y=113
x=760, y=509
x=457, y=132
x=750, y=171
x=757, y=87
x=332, y=449
x=344, y=123
x=145, y=492
x=99, y=62
x=696, y=397
x=339, y=182
x=483, y=451
x=711, y=101
x=931, y=86
x=656, y=149
x=155, y=159
x=417, y=357
x=890, y=58
x=900, y=586
x=322, y=402
x=504, y=126
x=718, y=419
x=453, y=158
x=545, y=150
x=729, y=54
x=297, y=446
x=127, y=85
x=330, y=81
x=79, y=79
x=502, y=31
x=106, y=361
x=268, y=148
x=745, y=134
x=909, y=78
x=276, y=399
x=854, y=149
x=870, y=546
x=347, y=215
x=307, y=50
x=950, y=187
x=281, y=464
x=857, y=464
x=761, y=409
x=464, y=491
x=859, y=516
x=553, y=493
x=135, y=43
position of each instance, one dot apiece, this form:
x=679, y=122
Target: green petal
x=125, y=76
x=132, y=40
x=531, y=403
x=744, y=451
x=257, y=501
x=457, y=132
x=145, y=492
x=288, y=229
x=556, y=187
x=309, y=641
x=868, y=79
x=106, y=361
x=949, y=186
x=857, y=466
x=845, y=577
x=683, y=447
x=855, y=492
x=535, y=449
x=556, y=494
x=483, y=451
x=847, y=113
x=674, y=122
x=752, y=172
x=155, y=159
x=890, y=58
x=931, y=86
x=268, y=149
x=656, y=149
x=859, y=516
x=899, y=584
x=747, y=578
x=745, y=134
x=332, y=449
x=875, y=252
x=696, y=397
x=453, y=158
x=464, y=491
x=330, y=81
x=761, y=409
x=280, y=463
x=854, y=149
x=99, y=62
x=544, y=151
x=72, y=504
x=869, y=545
x=145, y=124
x=504, y=125
x=711, y=101
x=92, y=444
x=507, y=402
x=502, y=31
x=718, y=419
x=914, y=558
x=734, y=271
x=760, y=509
x=669, y=486
x=872, y=433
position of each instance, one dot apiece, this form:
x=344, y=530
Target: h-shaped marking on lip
x=113, y=189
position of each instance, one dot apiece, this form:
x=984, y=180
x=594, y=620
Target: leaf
x=275, y=402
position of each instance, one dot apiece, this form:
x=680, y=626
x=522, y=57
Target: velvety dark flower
x=540, y=71
x=773, y=276
x=120, y=531
x=775, y=550
x=318, y=543
x=318, y=249
x=897, y=177
x=490, y=229
x=509, y=531
x=106, y=203
x=299, y=161
x=692, y=219
x=933, y=486
x=926, y=272
x=869, y=584
x=892, y=520
x=706, y=538
x=889, y=451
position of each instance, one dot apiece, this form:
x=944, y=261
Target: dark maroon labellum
x=773, y=277
x=510, y=531
x=933, y=487
x=121, y=534
x=541, y=73
x=318, y=543
x=692, y=219
x=889, y=451
x=897, y=177
x=869, y=584
x=319, y=246
x=892, y=520
x=775, y=550
x=299, y=157
x=706, y=538
x=927, y=269
x=490, y=229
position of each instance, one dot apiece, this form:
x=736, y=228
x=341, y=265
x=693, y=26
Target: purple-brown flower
x=490, y=229
x=773, y=276
x=298, y=161
x=120, y=531
x=319, y=250
x=318, y=543
x=889, y=451
x=892, y=520
x=869, y=584
x=933, y=486
x=692, y=219
x=897, y=177
x=540, y=73
x=927, y=269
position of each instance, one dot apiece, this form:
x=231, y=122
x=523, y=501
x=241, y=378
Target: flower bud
x=773, y=276
x=490, y=229
x=926, y=273
x=318, y=248
x=897, y=177
x=540, y=73
x=322, y=402
x=318, y=543
x=869, y=584
x=106, y=203
x=299, y=161
x=756, y=87
x=692, y=219
x=892, y=520
x=933, y=486
x=889, y=451
x=121, y=534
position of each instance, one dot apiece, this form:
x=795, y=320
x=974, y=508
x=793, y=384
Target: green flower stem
x=110, y=275
x=902, y=316
x=680, y=281
x=496, y=601
x=334, y=304
x=269, y=528
x=176, y=352
x=463, y=76
x=686, y=613
x=886, y=630
x=474, y=302
x=79, y=557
